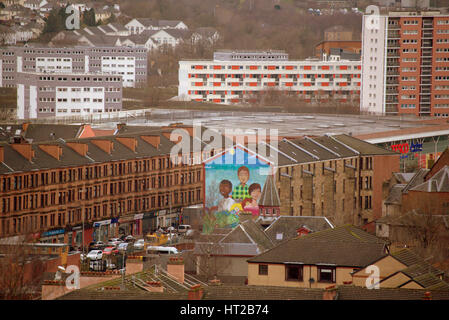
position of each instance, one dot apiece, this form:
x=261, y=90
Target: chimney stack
x=154, y=140
x=25, y=150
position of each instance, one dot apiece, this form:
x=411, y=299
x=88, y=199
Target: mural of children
x=240, y=192
x=227, y=202
x=251, y=204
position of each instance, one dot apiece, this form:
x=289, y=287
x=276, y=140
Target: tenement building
x=339, y=177
x=240, y=76
x=405, y=58
x=106, y=186
x=48, y=94
x=129, y=63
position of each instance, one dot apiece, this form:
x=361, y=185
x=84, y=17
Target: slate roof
x=49, y=132
x=246, y=239
x=415, y=265
x=342, y=246
x=404, y=177
x=417, y=179
x=351, y=292
x=437, y=183
x=14, y=162
x=226, y=292
x=395, y=194
x=307, y=149
x=288, y=225
x=269, y=196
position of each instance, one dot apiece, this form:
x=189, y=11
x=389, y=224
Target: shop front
x=101, y=230
x=149, y=222
x=75, y=236
x=126, y=225
x=137, y=227
x=53, y=236
x=172, y=217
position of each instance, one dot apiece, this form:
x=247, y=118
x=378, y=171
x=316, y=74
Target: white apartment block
x=46, y=94
x=234, y=77
x=405, y=59
x=129, y=63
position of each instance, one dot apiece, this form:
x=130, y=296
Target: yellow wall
x=387, y=266
x=276, y=276
x=412, y=285
x=395, y=281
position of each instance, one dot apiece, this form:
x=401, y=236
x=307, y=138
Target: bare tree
x=20, y=270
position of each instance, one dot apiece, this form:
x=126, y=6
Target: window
x=293, y=273
x=326, y=274
x=263, y=269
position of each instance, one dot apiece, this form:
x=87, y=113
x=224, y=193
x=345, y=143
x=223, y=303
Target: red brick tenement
x=124, y=183
x=405, y=64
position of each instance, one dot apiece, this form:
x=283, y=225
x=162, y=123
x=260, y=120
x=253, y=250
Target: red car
x=109, y=250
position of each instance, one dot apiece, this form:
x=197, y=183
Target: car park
x=95, y=255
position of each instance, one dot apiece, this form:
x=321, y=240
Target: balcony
x=393, y=34
x=392, y=82
x=427, y=34
x=391, y=109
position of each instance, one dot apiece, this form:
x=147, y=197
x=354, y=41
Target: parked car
x=130, y=239
x=114, y=241
x=139, y=244
x=110, y=250
x=162, y=250
x=124, y=247
x=96, y=245
x=95, y=255
x=182, y=228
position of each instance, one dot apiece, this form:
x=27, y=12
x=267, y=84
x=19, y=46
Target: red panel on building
x=217, y=67
x=288, y=67
x=271, y=68
x=325, y=68
x=307, y=67
x=252, y=67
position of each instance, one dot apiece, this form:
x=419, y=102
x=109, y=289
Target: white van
x=162, y=250
x=182, y=228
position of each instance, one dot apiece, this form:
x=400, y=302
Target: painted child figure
x=252, y=204
x=240, y=191
x=227, y=202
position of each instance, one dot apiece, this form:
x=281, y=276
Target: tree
x=20, y=271
x=89, y=18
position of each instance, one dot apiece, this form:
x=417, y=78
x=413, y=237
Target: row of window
x=325, y=274
x=69, y=175
x=40, y=222
x=43, y=200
